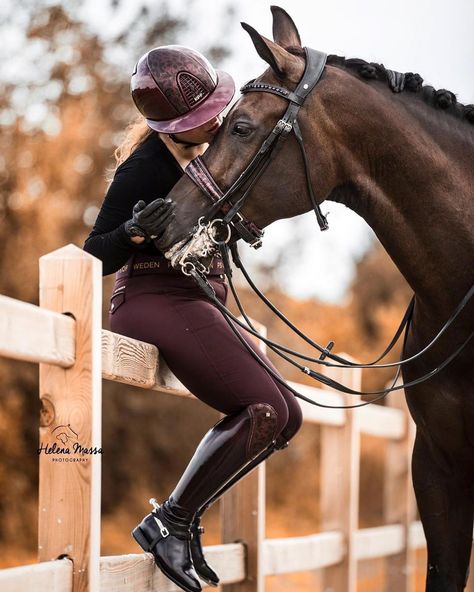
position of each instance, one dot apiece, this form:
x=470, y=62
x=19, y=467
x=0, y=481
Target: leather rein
x=206, y=239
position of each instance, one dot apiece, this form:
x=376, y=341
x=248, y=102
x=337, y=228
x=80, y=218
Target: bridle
x=206, y=239
x=200, y=175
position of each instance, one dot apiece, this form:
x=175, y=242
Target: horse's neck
x=414, y=188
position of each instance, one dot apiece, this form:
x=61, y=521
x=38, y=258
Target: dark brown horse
x=404, y=162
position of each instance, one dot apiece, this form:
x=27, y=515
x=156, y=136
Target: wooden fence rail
x=64, y=336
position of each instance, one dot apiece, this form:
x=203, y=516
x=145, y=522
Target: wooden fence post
x=69, y=477
x=243, y=518
x=399, y=500
x=340, y=456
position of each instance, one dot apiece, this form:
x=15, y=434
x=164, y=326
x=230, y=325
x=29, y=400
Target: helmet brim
x=210, y=108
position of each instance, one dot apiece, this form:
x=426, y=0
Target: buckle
x=163, y=530
x=283, y=127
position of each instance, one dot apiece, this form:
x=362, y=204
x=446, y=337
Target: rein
x=232, y=320
x=205, y=240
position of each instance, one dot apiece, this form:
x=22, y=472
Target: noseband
x=200, y=175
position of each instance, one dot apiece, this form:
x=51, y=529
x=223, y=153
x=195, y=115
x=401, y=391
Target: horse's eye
x=241, y=129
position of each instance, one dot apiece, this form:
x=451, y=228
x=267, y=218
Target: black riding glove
x=150, y=221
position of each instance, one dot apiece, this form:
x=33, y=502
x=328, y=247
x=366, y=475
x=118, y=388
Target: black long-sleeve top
x=148, y=173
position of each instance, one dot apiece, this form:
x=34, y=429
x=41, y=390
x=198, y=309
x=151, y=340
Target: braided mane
x=398, y=82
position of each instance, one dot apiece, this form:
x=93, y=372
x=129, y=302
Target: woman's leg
x=208, y=358
x=233, y=442
x=291, y=428
x=295, y=414
x=211, y=361
x=201, y=350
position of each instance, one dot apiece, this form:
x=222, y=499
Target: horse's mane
x=398, y=82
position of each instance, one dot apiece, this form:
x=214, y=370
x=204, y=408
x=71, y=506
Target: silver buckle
x=163, y=530
x=283, y=127
x=257, y=243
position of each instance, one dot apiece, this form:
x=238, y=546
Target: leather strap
x=199, y=173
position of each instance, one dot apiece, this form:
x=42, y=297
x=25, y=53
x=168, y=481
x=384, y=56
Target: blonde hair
x=135, y=134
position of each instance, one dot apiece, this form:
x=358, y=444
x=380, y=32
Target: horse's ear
x=276, y=57
x=285, y=32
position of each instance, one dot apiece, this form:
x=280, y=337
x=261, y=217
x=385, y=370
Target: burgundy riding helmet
x=176, y=89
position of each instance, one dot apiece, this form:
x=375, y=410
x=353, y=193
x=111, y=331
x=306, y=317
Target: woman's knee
x=281, y=410
x=272, y=398
x=295, y=418
x=289, y=415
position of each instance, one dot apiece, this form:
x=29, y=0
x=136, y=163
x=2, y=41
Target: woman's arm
x=108, y=240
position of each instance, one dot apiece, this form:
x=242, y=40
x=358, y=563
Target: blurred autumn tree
x=62, y=112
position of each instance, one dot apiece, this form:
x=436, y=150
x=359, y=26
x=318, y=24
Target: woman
x=182, y=97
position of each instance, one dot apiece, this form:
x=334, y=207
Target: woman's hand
x=150, y=221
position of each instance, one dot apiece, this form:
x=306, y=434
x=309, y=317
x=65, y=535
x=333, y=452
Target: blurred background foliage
x=59, y=130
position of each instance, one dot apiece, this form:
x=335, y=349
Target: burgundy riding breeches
x=153, y=303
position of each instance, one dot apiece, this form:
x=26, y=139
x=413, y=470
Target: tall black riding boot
x=203, y=569
x=230, y=445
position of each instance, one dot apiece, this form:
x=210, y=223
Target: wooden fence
x=65, y=337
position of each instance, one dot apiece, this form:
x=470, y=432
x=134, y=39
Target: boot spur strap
x=162, y=535
x=163, y=530
x=178, y=530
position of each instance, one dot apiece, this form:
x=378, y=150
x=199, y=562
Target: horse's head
x=282, y=189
